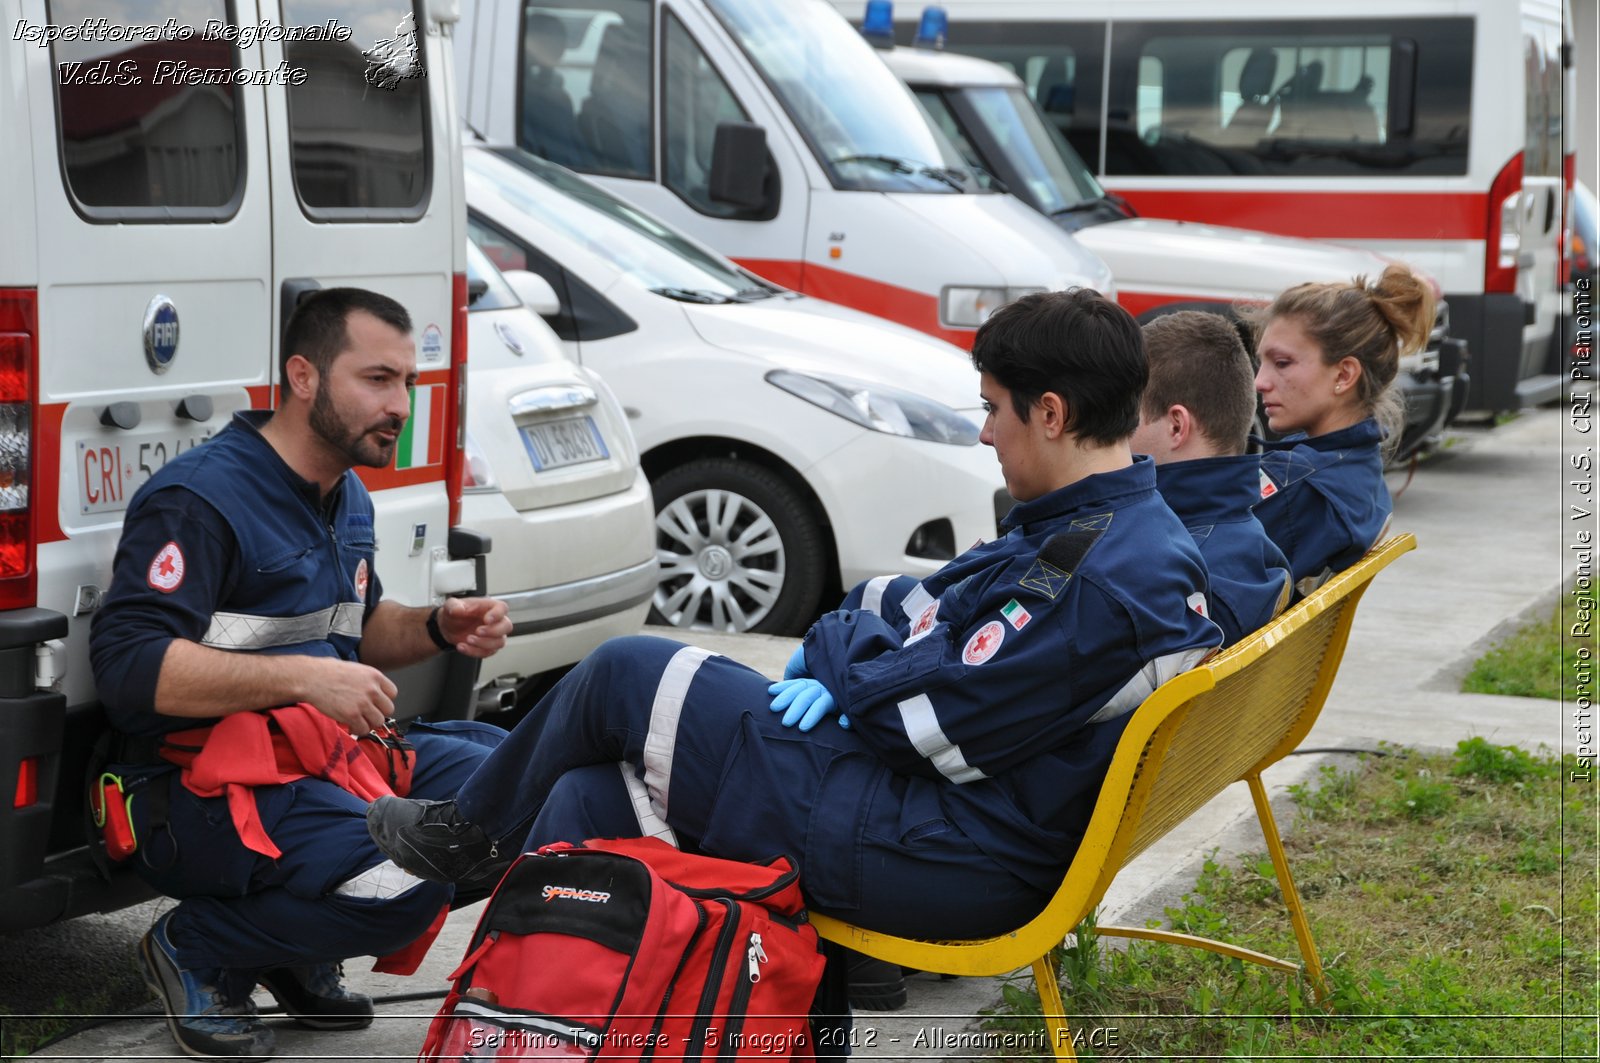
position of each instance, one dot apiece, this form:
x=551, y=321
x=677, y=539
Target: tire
x=740, y=550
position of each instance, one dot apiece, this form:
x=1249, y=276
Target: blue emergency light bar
x=933, y=28
x=878, y=25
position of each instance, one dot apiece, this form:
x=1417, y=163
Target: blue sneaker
x=314, y=995
x=204, y=1022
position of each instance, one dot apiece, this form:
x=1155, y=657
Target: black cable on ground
x=1342, y=749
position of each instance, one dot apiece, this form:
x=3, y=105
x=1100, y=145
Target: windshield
x=630, y=240
x=1054, y=178
x=496, y=293
x=860, y=122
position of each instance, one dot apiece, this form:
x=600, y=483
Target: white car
x=553, y=477
x=795, y=447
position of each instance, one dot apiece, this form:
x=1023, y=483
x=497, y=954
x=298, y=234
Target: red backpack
x=630, y=949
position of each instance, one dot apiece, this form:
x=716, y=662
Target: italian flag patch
x=421, y=442
x=1016, y=615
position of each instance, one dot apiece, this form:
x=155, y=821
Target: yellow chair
x=1226, y=720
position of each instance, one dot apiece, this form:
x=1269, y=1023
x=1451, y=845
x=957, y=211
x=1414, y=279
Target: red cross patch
x=166, y=571
x=926, y=619
x=361, y=580
x=984, y=642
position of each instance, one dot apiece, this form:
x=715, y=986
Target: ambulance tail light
x=19, y=332
x=455, y=429
x=1504, y=244
x=1563, y=240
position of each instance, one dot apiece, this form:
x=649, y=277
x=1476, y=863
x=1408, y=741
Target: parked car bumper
x=560, y=607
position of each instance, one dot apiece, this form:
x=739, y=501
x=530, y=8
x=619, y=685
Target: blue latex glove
x=796, y=668
x=804, y=701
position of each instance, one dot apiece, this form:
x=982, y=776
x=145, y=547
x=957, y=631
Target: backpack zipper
x=672, y=983
x=719, y=964
x=739, y=1006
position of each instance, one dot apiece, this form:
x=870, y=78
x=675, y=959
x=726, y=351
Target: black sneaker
x=203, y=1021
x=314, y=995
x=876, y=985
x=432, y=841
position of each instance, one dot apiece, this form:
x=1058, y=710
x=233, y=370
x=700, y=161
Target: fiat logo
x=160, y=333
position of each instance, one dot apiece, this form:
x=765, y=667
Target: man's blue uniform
x=228, y=547
x=984, y=704
x=1323, y=499
x=1250, y=581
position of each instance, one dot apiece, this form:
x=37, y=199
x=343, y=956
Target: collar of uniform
x=1208, y=490
x=1103, y=490
x=1361, y=434
x=250, y=423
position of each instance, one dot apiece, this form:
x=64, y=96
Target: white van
x=1160, y=266
x=176, y=173
x=767, y=130
x=1425, y=130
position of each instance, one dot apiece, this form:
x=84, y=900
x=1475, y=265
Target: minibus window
x=858, y=119
x=148, y=109
x=1306, y=98
x=695, y=100
x=584, y=88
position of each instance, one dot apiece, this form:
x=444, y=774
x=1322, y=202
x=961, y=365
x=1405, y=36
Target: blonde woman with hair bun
x=1328, y=357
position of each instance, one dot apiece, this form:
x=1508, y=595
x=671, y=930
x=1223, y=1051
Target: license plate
x=109, y=473
x=556, y=444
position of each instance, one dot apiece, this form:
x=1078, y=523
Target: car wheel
x=739, y=550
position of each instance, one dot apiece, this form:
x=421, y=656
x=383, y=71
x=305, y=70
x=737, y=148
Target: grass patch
x=1535, y=660
x=1452, y=897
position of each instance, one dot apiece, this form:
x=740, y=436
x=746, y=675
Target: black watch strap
x=435, y=634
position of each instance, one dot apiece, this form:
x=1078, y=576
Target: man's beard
x=357, y=447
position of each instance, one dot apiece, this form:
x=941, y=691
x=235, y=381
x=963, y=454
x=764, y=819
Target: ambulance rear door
x=153, y=222
x=366, y=193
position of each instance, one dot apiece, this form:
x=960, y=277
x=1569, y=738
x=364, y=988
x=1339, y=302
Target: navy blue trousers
x=244, y=912
x=729, y=779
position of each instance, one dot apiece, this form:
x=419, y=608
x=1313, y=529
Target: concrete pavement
x=1488, y=514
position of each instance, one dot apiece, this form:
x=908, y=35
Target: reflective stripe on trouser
x=735, y=783
x=325, y=899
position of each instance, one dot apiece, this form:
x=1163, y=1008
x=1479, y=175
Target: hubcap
x=722, y=561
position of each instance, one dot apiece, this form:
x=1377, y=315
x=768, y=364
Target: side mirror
x=534, y=291
x=739, y=165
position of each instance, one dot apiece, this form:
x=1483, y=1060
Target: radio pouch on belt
x=109, y=804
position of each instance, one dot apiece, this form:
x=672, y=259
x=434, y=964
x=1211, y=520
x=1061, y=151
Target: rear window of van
x=147, y=107
x=359, y=140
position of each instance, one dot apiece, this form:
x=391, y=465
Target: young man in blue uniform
x=932, y=757
x=1194, y=420
x=243, y=585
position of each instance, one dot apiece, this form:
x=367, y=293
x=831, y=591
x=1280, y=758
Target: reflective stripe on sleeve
x=664, y=712
x=872, y=596
x=1145, y=681
x=915, y=602
x=651, y=825
x=241, y=631
x=922, y=728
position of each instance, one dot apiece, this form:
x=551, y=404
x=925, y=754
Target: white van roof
x=923, y=66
